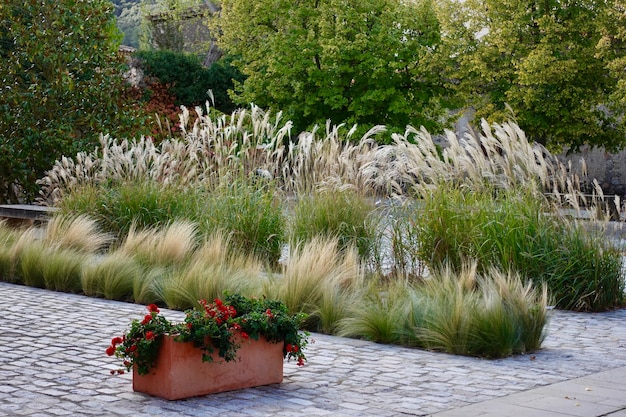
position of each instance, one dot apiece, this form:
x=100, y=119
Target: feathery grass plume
x=309, y=265
x=175, y=243
x=214, y=268
x=338, y=293
x=343, y=214
x=78, y=232
x=378, y=314
x=330, y=161
x=30, y=255
x=146, y=284
x=139, y=243
x=112, y=276
x=169, y=245
x=62, y=269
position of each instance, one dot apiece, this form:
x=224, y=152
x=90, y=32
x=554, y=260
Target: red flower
x=149, y=335
x=110, y=350
x=268, y=313
x=146, y=319
x=300, y=362
x=116, y=341
x=153, y=308
x=288, y=347
x=244, y=335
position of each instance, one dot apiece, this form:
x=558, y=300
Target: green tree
x=540, y=57
x=612, y=49
x=61, y=86
x=355, y=61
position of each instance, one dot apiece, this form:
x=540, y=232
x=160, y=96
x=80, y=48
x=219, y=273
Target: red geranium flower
x=153, y=308
x=149, y=335
x=110, y=350
x=116, y=341
x=146, y=319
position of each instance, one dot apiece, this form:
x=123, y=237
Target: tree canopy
x=61, y=79
x=542, y=58
x=354, y=61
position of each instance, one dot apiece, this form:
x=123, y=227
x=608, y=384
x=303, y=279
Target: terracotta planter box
x=180, y=372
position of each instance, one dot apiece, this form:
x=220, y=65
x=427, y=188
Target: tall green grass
x=251, y=214
x=519, y=230
x=341, y=214
x=117, y=207
x=471, y=314
x=62, y=269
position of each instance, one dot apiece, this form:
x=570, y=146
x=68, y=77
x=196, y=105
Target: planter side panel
x=180, y=372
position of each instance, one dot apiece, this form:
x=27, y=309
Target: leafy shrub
x=189, y=81
x=62, y=87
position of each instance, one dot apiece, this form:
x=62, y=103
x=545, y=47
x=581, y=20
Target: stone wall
x=608, y=168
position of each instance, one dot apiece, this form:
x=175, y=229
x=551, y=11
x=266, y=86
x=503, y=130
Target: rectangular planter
x=180, y=372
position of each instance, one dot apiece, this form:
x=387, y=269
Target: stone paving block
x=378, y=380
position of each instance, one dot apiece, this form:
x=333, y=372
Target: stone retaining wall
x=608, y=168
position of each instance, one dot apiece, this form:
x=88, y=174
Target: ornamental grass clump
x=518, y=229
x=343, y=214
x=213, y=328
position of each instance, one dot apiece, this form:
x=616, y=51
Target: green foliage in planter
x=212, y=327
x=518, y=230
x=333, y=213
x=140, y=345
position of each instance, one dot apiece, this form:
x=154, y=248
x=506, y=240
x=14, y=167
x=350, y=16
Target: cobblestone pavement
x=52, y=363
